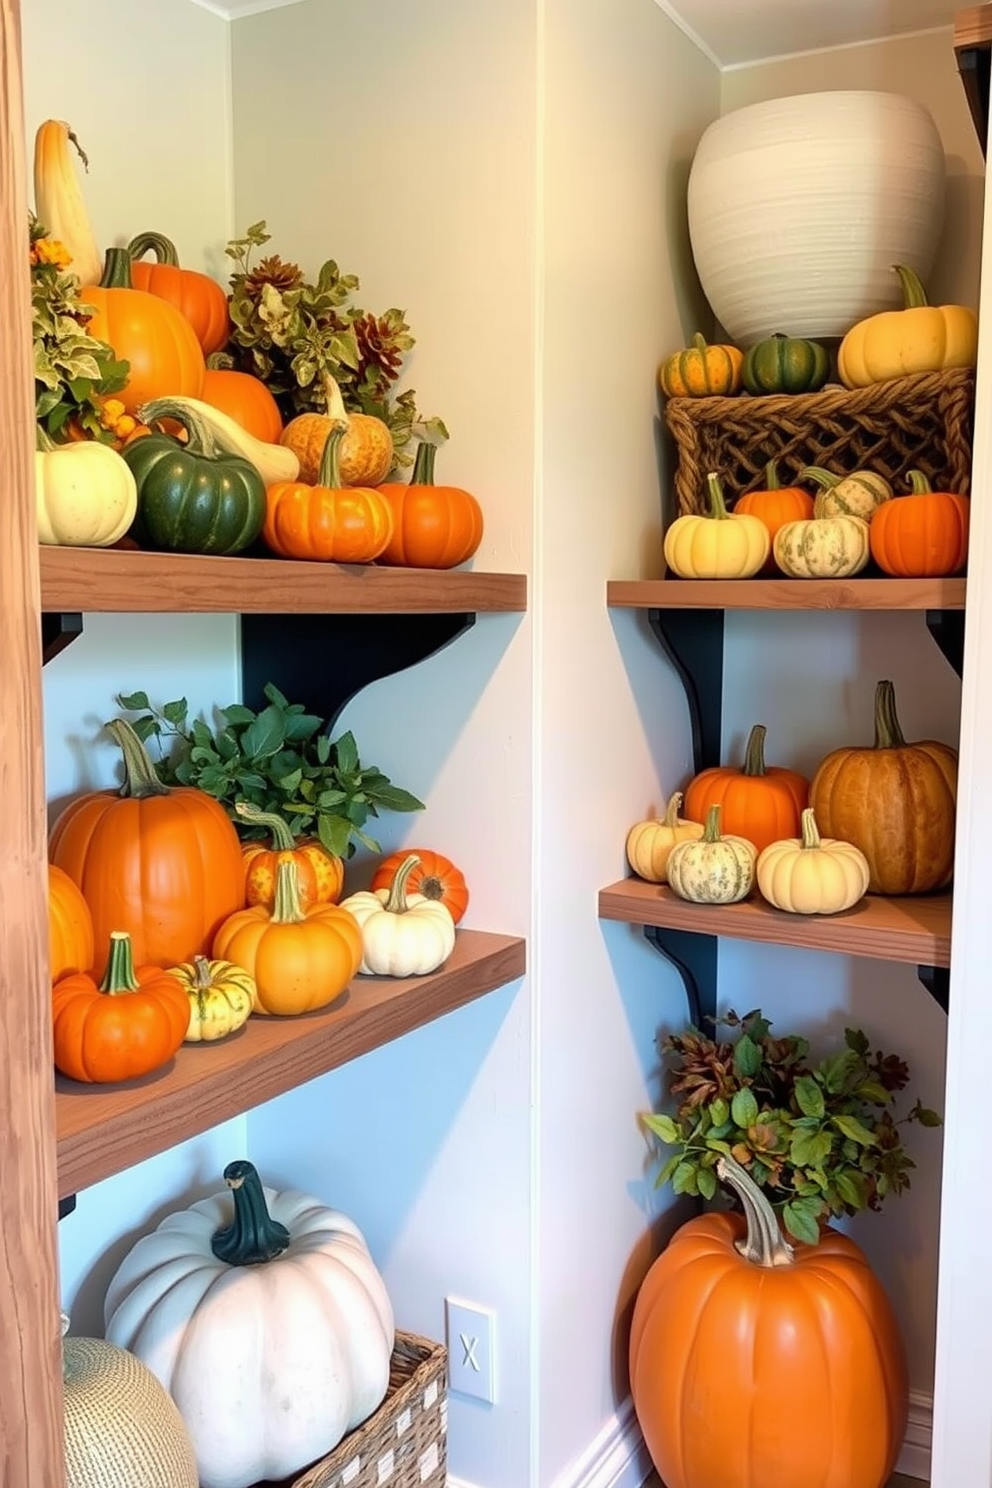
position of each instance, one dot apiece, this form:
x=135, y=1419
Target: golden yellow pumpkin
x=721, y=545
x=919, y=338
x=812, y=874
x=701, y=371
x=365, y=454
x=650, y=843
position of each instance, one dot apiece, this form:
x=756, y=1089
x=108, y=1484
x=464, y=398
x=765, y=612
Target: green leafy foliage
x=821, y=1138
x=280, y=760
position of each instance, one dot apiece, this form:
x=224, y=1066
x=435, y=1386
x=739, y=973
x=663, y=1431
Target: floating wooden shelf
x=915, y=930
x=787, y=594
x=973, y=50
x=103, y=1129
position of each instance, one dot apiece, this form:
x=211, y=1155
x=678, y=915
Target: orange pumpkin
x=161, y=863
x=329, y=521
x=70, y=926
x=151, y=335
x=433, y=526
x=759, y=1364
x=201, y=299
x=897, y=802
x=246, y=399
x=320, y=874
x=762, y=803
x=301, y=959
x=366, y=453
x=775, y=506
x=434, y=876
x=129, y=1025
x=922, y=535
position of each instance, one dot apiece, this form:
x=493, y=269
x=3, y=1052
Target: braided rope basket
x=404, y=1443
x=923, y=422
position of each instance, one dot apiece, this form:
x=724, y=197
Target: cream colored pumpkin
x=722, y=545
x=265, y=1318
x=402, y=934
x=85, y=494
x=822, y=548
x=650, y=843
x=714, y=869
x=859, y=494
x=812, y=875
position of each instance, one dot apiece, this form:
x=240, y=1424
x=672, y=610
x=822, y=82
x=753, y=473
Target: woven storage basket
x=404, y=1443
x=923, y=422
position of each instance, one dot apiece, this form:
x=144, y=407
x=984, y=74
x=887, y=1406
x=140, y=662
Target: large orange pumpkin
x=768, y=1366
x=246, y=399
x=366, y=451
x=201, y=299
x=922, y=535
x=161, y=863
x=320, y=875
x=895, y=801
x=433, y=526
x=301, y=959
x=760, y=802
x=129, y=1025
x=151, y=335
x=70, y=926
x=434, y=876
x=329, y=522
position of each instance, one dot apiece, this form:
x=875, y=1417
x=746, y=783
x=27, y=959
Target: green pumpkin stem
x=140, y=779
x=423, y=465
x=119, y=976
x=253, y=1236
x=152, y=242
x=810, y=831
x=914, y=296
x=754, y=752
x=329, y=474
x=117, y=269
x=711, y=832
x=202, y=979
x=286, y=908
x=700, y=342
x=888, y=734
x=714, y=495
x=672, y=809
x=282, y=838
x=825, y=479
x=199, y=435
x=772, y=482
x=396, y=902
x=764, y=1244
x=918, y=484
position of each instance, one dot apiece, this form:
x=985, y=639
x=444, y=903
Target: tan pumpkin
x=715, y=869
x=895, y=801
x=859, y=494
x=365, y=454
x=650, y=843
x=811, y=874
x=822, y=548
x=720, y=545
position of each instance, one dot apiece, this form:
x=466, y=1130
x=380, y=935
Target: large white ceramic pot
x=799, y=207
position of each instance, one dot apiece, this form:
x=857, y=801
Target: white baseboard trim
x=451, y=1482
x=914, y=1459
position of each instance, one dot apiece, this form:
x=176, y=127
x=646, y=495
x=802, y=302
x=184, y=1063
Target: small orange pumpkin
x=70, y=926
x=301, y=959
x=434, y=876
x=327, y=522
x=201, y=299
x=762, y=803
x=366, y=453
x=775, y=506
x=433, y=526
x=922, y=535
x=702, y=371
x=244, y=398
x=320, y=875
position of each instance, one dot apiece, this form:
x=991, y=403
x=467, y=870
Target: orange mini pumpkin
x=320, y=875
x=762, y=803
x=434, y=876
x=328, y=522
x=244, y=398
x=366, y=452
x=70, y=926
x=922, y=535
x=433, y=526
x=775, y=506
x=201, y=299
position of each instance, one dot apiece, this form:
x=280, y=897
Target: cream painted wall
x=152, y=165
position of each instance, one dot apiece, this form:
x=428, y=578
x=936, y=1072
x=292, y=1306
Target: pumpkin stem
x=423, y=465
x=140, y=779
x=699, y=341
x=672, y=809
x=754, y=752
x=771, y=476
x=712, y=829
x=282, y=838
x=913, y=294
x=117, y=269
x=810, y=831
x=199, y=435
x=202, y=980
x=919, y=485
x=119, y=976
x=286, y=909
x=888, y=734
x=329, y=474
x=714, y=494
x=396, y=903
x=764, y=1243
x=825, y=479
x=335, y=402
x=253, y=1236
x=152, y=242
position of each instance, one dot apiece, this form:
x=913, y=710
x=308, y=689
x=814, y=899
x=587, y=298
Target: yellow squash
x=221, y=998
x=58, y=201
x=722, y=545
x=650, y=843
x=918, y=338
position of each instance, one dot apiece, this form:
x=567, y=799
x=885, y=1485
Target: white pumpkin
x=714, y=869
x=403, y=934
x=265, y=1318
x=85, y=494
x=812, y=875
x=822, y=547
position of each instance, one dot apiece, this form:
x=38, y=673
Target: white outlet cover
x=471, y=1338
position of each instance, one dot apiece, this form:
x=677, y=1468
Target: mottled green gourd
x=714, y=869
x=785, y=364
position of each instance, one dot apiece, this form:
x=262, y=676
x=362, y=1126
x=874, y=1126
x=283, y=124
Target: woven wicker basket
x=404, y=1443
x=923, y=422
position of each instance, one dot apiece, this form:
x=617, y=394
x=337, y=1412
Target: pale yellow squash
x=714, y=869
x=650, y=843
x=823, y=548
x=812, y=875
x=85, y=494
x=721, y=545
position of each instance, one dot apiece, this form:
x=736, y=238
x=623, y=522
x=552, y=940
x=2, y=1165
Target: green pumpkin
x=785, y=364
x=194, y=498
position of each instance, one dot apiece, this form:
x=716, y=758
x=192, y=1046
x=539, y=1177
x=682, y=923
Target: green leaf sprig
x=281, y=760
x=821, y=1139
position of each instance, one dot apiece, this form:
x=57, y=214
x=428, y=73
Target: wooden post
x=31, y=1454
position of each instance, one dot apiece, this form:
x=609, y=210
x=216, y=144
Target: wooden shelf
x=787, y=594
x=915, y=930
x=125, y=580
x=103, y=1129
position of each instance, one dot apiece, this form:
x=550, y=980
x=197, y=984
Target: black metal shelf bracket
x=695, y=959
x=67, y=1205
x=693, y=642
x=947, y=629
x=59, y=628
x=325, y=660
x=937, y=980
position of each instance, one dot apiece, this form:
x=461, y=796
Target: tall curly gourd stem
x=809, y=829
x=282, y=838
x=253, y=1236
x=764, y=1243
x=119, y=976
x=914, y=296
x=754, y=752
x=286, y=908
x=140, y=779
x=672, y=809
x=163, y=248
x=888, y=734
x=199, y=435
x=396, y=902
x=714, y=497
x=711, y=832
